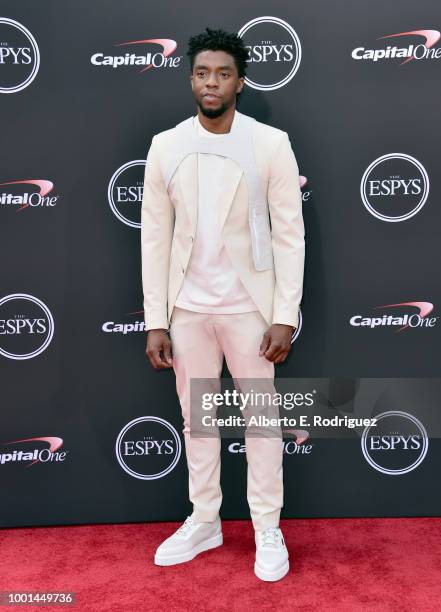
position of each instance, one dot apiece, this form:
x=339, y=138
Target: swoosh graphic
x=431, y=36
x=44, y=186
x=168, y=46
x=301, y=434
x=54, y=444
x=425, y=308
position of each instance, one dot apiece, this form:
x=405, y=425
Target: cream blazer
x=169, y=217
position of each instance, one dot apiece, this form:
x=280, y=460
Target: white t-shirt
x=211, y=284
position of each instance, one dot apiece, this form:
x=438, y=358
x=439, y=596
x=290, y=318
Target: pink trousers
x=199, y=344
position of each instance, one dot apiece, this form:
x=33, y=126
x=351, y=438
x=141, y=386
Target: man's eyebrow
x=228, y=67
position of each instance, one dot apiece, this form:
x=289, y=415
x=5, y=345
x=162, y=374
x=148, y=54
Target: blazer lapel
x=232, y=173
x=188, y=181
x=187, y=175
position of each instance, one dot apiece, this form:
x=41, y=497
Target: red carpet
x=345, y=564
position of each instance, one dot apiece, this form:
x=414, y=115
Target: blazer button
x=183, y=270
x=191, y=238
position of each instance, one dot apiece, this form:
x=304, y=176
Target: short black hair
x=219, y=40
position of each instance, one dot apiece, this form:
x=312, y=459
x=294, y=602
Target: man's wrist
x=292, y=327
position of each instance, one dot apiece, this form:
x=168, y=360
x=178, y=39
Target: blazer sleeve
x=287, y=233
x=157, y=223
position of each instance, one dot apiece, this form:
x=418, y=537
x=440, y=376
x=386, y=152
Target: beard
x=212, y=113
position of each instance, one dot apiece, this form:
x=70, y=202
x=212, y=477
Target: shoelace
x=271, y=537
x=186, y=526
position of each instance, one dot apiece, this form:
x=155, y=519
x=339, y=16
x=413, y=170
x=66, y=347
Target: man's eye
x=200, y=74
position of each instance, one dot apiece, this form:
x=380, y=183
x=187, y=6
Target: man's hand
x=276, y=342
x=158, y=349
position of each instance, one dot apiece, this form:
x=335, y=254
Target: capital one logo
x=26, y=326
x=394, y=187
x=275, y=52
x=306, y=193
x=29, y=450
x=125, y=190
x=148, y=53
x=148, y=448
x=423, y=50
x=397, y=318
x=34, y=193
x=19, y=56
x=137, y=325
x=396, y=445
x=290, y=447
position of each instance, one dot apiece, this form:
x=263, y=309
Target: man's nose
x=212, y=80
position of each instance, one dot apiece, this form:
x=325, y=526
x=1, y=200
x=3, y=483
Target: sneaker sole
x=212, y=542
x=271, y=576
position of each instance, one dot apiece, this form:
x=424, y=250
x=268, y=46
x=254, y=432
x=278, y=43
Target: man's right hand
x=159, y=349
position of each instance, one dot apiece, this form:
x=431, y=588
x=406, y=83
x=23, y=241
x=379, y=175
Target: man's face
x=215, y=82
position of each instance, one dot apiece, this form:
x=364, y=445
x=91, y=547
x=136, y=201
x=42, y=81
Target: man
x=222, y=239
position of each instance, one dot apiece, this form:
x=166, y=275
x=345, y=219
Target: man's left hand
x=276, y=342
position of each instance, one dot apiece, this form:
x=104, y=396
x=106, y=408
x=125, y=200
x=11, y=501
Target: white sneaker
x=271, y=555
x=188, y=541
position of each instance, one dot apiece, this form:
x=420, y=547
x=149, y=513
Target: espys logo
x=420, y=51
x=148, y=448
x=26, y=326
x=150, y=59
x=297, y=331
x=29, y=450
x=19, y=56
x=399, y=444
x=125, y=190
x=399, y=319
x=275, y=52
x=394, y=187
x=125, y=328
x=20, y=197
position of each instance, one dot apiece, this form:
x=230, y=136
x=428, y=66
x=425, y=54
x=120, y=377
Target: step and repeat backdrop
x=89, y=431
